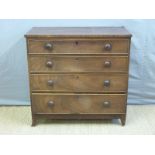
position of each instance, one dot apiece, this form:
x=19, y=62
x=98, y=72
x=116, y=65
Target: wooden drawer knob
x=107, y=64
x=106, y=104
x=49, y=64
x=48, y=46
x=107, y=46
x=106, y=83
x=50, y=82
x=50, y=104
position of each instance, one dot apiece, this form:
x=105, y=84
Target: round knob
x=106, y=83
x=50, y=103
x=108, y=47
x=50, y=82
x=49, y=63
x=48, y=46
x=107, y=64
x=106, y=103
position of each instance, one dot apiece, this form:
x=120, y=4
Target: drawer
x=78, y=46
x=48, y=63
x=78, y=103
x=98, y=82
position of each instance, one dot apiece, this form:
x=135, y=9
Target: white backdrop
x=14, y=86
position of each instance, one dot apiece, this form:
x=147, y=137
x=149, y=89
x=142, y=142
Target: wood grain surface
x=78, y=103
x=79, y=82
x=78, y=46
x=78, y=31
x=38, y=63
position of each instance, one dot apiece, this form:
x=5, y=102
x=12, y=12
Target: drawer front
x=78, y=46
x=78, y=104
x=79, y=82
x=47, y=63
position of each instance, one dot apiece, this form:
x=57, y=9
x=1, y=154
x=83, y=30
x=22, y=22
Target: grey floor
x=17, y=120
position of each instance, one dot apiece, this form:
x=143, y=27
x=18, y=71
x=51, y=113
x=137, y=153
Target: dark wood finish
x=91, y=82
x=48, y=63
x=78, y=104
x=78, y=46
x=123, y=119
x=81, y=117
x=78, y=72
x=78, y=32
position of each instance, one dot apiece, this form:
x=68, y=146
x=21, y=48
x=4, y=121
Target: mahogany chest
x=78, y=72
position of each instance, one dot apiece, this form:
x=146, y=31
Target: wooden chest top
x=78, y=32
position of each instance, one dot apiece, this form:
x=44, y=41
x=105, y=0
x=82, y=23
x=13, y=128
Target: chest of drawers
x=78, y=72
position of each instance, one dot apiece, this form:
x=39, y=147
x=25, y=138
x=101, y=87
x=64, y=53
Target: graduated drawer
x=94, y=82
x=78, y=46
x=78, y=103
x=48, y=63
